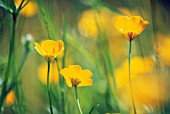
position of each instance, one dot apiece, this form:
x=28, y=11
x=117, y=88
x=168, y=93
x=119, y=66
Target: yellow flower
x=50, y=49
x=29, y=10
x=164, y=49
x=139, y=66
x=42, y=73
x=148, y=90
x=10, y=98
x=91, y=22
x=130, y=26
x=75, y=76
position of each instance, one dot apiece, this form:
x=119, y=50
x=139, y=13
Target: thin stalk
x=77, y=99
x=63, y=60
x=10, y=59
x=64, y=40
x=14, y=83
x=62, y=88
x=48, y=86
x=24, y=57
x=130, y=81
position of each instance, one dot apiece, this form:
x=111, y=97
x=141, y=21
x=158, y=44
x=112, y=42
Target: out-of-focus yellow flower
x=139, y=66
x=148, y=90
x=50, y=49
x=91, y=22
x=10, y=98
x=75, y=76
x=42, y=73
x=29, y=10
x=164, y=49
x=130, y=26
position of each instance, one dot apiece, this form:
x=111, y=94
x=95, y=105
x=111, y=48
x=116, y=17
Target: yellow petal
x=68, y=82
x=66, y=74
x=59, y=47
x=75, y=68
x=74, y=71
x=39, y=50
x=122, y=24
x=88, y=82
x=48, y=46
x=85, y=74
x=137, y=24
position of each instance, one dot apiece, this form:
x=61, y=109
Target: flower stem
x=62, y=88
x=130, y=81
x=48, y=86
x=10, y=62
x=78, y=103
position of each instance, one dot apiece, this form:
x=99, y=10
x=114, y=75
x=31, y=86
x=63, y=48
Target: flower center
x=131, y=35
x=75, y=82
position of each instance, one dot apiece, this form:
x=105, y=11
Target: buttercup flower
x=130, y=26
x=50, y=49
x=42, y=75
x=29, y=10
x=75, y=76
x=10, y=98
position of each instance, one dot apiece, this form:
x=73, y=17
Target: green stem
x=15, y=82
x=48, y=86
x=64, y=40
x=10, y=59
x=130, y=81
x=63, y=61
x=77, y=99
x=24, y=57
x=62, y=88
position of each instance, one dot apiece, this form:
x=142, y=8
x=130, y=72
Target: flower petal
x=85, y=74
x=48, y=46
x=122, y=24
x=137, y=24
x=59, y=47
x=88, y=82
x=68, y=82
x=66, y=74
x=38, y=48
x=74, y=71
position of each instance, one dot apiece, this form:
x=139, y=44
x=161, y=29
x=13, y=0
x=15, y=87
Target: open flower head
x=130, y=26
x=75, y=76
x=50, y=49
x=42, y=73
